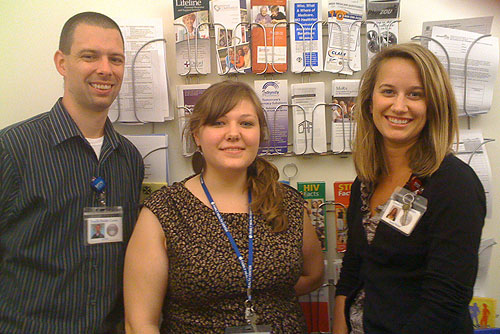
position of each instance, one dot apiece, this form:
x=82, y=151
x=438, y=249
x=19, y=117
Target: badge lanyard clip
x=98, y=185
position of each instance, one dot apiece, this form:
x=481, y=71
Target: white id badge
x=404, y=210
x=259, y=329
x=103, y=224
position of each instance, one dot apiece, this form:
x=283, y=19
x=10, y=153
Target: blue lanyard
x=247, y=272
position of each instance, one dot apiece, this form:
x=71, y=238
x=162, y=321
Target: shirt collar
x=64, y=127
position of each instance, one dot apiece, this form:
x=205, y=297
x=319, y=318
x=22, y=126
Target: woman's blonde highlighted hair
x=262, y=176
x=437, y=136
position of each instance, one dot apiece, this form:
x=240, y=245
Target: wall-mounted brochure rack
x=194, y=70
x=307, y=129
x=420, y=38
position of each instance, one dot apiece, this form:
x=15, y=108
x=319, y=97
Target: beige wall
x=29, y=83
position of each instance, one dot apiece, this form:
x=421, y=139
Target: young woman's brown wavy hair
x=262, y=176
x=437, y=136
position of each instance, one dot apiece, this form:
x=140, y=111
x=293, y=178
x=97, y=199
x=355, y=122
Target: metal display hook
x=188, y=49
x=305, y=129
x=485, y=141
x=196, y=45
x=343, y=126
x=359, y=34
x=420, y=37
x=133, y=81
x=133, y=75
x=329, y=36
x=227, y=46
x=388, y=30
x=332, y=203
x=312, y=126
x=152, y=151
x=265, y=42
x=188, y=111
x=465, y=76
x=272, y=49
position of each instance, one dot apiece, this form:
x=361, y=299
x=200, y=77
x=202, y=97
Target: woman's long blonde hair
x=437, y=136
x=262, y=176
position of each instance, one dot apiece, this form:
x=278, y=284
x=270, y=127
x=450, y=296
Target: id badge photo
x=404, y=210
x=103, y=224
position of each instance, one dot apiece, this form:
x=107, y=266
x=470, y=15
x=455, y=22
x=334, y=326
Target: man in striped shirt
x=53, y=277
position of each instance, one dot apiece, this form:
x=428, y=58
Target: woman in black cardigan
x=414, y=273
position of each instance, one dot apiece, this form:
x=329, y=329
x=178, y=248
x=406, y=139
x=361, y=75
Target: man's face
x=93, y=71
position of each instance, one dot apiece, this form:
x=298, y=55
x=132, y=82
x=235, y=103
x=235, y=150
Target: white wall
x=29, y=83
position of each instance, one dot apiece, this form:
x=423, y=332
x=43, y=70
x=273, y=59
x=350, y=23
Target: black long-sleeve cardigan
x=420, y=283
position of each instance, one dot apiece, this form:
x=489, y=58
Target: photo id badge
x=257, y=329
x=404, y=210
x=103, y=224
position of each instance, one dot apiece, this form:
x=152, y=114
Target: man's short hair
x=90, y=18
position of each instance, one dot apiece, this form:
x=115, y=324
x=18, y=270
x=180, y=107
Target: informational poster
x=482, y=67
x=483, y=312
x=144, y=93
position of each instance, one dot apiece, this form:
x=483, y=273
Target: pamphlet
x=269, y=57
x=306, y=48
x=192, y=50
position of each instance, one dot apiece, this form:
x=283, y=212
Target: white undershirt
x=96, y=144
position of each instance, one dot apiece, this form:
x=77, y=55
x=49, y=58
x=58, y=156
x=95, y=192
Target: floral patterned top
x=206, y=285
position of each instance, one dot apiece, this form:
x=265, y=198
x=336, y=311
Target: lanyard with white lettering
x=247, y=272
